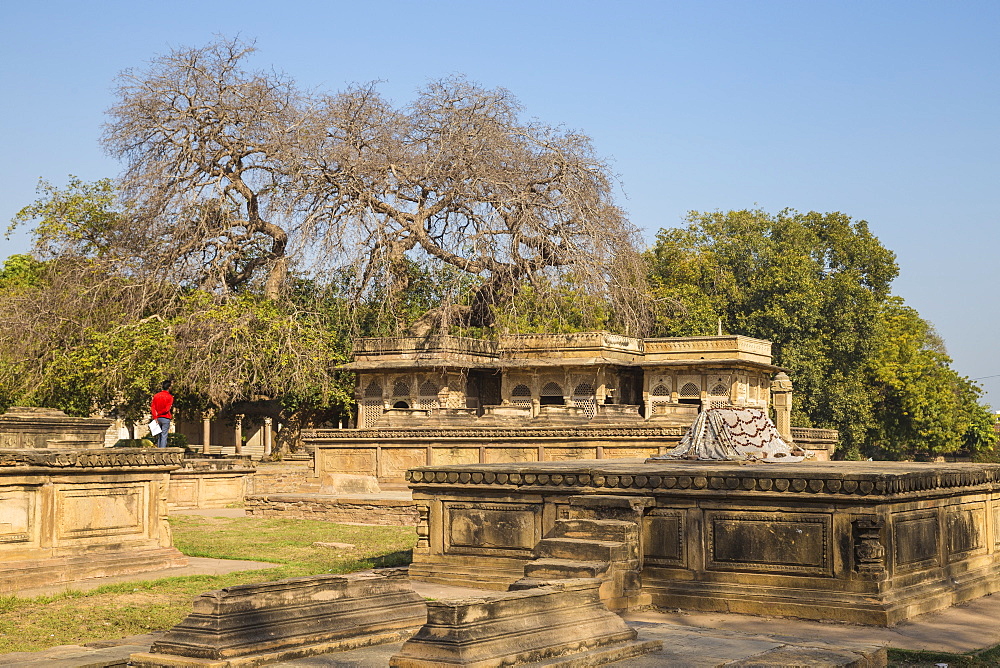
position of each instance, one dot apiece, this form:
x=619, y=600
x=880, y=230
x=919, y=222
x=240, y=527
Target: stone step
x=581, y=549
x=609, y=530
x=561, y=569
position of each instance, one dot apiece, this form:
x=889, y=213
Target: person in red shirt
x=160, y=408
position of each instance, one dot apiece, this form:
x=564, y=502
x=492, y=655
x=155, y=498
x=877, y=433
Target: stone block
x=346, y=483
x=549, y=625
x=262, y=623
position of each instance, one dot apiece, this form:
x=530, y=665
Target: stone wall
x=384, y=512
x=388, y=453
x=210, y=483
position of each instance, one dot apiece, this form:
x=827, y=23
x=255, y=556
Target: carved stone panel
x=97, y=510
x=966, y=529
x=915, y=535
x=16, y=512
x=663, y=538
x=500, y=529
x=867, y=534
x=780, y=543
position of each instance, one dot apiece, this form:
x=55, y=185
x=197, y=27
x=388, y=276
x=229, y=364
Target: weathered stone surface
x=793, y=657
x=387, y=453
x=209, y=483
x=864, y=542
x=545, y=625
x=273, y=621
x=69, y=515
x=27, y=428
x=386, y=512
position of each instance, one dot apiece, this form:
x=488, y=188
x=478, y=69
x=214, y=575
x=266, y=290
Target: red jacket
x=161, y=405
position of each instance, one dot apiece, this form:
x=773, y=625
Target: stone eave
x=717, y=363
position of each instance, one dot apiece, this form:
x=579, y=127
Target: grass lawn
x=116, y=611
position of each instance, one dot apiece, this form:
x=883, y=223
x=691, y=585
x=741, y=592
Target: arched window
x=374, y=390
x=521, y=391
x=660, y=391
x=401, y=404
x=690, y=391
x=428, y=389
x=583, y=390
x=401, y=388
x=720, y=390
x=552, y=395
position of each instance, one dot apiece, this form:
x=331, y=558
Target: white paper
x=154, y=428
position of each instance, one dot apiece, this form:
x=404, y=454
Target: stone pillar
x=238, y=433
x=781, y=399
x=206, y=432
x=267, y=436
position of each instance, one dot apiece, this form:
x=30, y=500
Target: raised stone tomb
x=68, y=515
x=256, y=624
x=562, y=624
x=865, y=542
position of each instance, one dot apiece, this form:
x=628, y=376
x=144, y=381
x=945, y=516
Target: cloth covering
x=734, y=434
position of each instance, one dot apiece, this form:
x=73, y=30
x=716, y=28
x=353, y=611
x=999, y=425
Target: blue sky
x=886, y=111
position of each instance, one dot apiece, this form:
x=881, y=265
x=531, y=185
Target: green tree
x=818, y=286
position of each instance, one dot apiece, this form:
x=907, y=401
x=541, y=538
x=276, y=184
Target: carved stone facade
x=68, y=515
x=864, y=542
x=558, y=378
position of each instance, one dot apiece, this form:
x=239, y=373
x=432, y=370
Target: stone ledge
x=814, y=479
x=116, y=458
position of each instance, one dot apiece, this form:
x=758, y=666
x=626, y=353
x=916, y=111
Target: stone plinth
x=251, y=625
x=23, y=428
x=538, y=626
x=209, y=483
x=865, y=542
x=68, y=515
x=387, y=453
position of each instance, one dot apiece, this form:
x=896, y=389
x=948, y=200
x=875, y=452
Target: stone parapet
x=865, y=542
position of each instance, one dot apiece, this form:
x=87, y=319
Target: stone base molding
x=560, y=624
x=251, y=625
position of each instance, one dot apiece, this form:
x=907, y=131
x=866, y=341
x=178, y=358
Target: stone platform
x=69, y=515
x=864, y=542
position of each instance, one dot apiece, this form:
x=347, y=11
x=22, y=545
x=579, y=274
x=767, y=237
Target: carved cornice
x=650, y=478
x=107, y=458
x=418, y=433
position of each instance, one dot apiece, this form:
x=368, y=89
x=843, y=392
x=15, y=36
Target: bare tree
x=236, y=177
x=458, y=179
x=207, y=148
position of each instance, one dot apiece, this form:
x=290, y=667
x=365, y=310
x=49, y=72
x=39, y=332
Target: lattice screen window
x=690, y=391
x=401, y=388
x=521, y=391
x=720, y=390
x=428, y=396
x=552, y=390
x=660, y=391
x=719, y=403
x=374, y=390
x=583, y=397
x=369, y=412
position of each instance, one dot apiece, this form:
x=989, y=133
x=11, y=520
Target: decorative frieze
x=869, y=547
x=733, y=479
x=108, y=458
